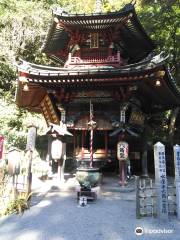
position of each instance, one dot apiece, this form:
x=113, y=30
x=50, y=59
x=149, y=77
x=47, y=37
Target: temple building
x=108, y=69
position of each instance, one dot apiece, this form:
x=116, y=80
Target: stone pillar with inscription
x=161, y=181
x=177, y=177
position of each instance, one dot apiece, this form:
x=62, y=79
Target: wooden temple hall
x=109, y=74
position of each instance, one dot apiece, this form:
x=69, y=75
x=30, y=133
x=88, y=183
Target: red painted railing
x=110, y=60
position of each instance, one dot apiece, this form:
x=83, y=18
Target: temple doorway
x=104, y=151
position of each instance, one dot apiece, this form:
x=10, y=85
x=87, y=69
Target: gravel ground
x=57, y=216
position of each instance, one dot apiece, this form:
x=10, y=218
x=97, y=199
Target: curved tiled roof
x=143, y=75
x=46, y=71
x=131, y=38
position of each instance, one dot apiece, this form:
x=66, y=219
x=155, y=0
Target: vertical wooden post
x=64, y=162
x=74, y=137
x=31, y=138
x=138, y=212
x=63, y=120
x=106, y=143
x=82, y=144
x=144, y=154
x=49, y=156
x=123, y=173
x=177, y=177
x=14, y=187
x=161, y=181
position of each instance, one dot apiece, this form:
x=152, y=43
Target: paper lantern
x=122, y=151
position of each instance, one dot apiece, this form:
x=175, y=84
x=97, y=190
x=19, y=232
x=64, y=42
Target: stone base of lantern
x=90, y=194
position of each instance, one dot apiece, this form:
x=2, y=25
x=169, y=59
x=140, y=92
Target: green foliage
x=161, y=20
x=6, y=76
x=14, y=122
x=18, y=205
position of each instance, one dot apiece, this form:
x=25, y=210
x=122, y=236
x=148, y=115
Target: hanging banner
x=1, y=146
x=122, y=151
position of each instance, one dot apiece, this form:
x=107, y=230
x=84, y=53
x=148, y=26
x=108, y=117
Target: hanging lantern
x=26, y=88
x=122, y=151
x=56, y=149
x=158, y=83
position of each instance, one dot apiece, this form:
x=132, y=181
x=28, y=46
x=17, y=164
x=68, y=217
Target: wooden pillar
x=49, y=155
x=106, y=143
x=122, y=173
x=31, y=138
x=144, y=163
x=82, y=144
x=61, y=167
x=74, y=137
x=63, y=163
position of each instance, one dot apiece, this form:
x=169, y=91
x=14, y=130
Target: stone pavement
x=57, y=216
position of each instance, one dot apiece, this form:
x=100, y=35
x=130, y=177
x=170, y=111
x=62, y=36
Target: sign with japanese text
x=177, y=177
x=161, y=181
x=14, y=157
x=1, y=146
x=137, y=118
x=122, y=151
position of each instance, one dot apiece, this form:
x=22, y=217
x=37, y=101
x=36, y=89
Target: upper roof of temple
x=122, y=28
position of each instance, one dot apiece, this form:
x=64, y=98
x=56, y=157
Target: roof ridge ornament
x=98, y=6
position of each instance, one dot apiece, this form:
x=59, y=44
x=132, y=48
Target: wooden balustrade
x=98, y=58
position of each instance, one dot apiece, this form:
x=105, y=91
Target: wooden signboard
x=137, y=118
